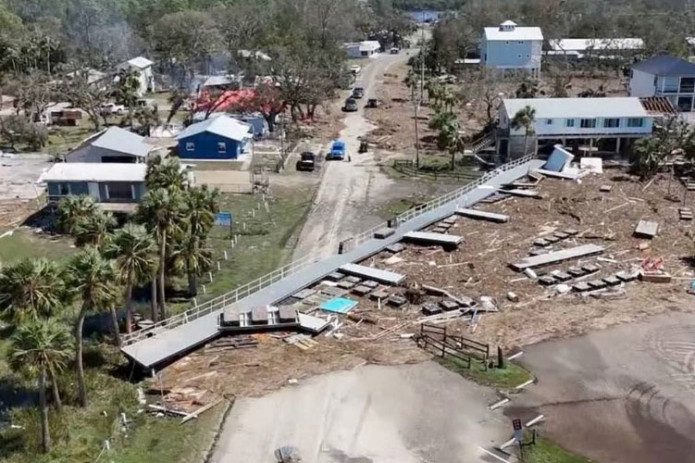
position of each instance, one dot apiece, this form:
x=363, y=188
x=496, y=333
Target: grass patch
x=25, y=244
x=216, y=165
x=79, y=434
x=545, y=451
x=63, y=139
x=394, y=207
x=265, y=242
x=503, y=378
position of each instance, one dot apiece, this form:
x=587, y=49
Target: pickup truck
x=112, y=108
x=307, y=161
x=337, y=151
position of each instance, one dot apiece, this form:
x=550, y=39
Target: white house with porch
x=607, y=125
x=364, y=49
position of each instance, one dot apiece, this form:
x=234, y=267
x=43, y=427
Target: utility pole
x=416, y=104
x=422, y=63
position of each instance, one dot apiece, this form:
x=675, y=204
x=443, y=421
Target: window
x=190, y=146
x=518, y=56
x=687, y=85
x=569, y=123
x=63, y=189
x=635, y=122
x=506, y=42
x=521, y=42
x=548, y=122
x=685, y=104
x=611, y=123
x=221, y=147
x=588, y=123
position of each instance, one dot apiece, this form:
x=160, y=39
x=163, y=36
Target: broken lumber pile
x=463, y=301
x=231, y=343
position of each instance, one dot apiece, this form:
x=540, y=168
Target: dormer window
x=508, y=26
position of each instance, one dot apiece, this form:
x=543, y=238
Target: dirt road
x=404, y=414
x=349, y=188
x=620, y=395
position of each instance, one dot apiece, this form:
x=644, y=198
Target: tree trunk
x=129, y=309
x=453, y=160
x=162, y=264
x=45, y=433
x=153, y=298
x=57, y=403
x=525, y=144
x=81, y=387
x=116, y=329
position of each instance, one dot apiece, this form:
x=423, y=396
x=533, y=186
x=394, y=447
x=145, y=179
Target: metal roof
x=517, y=33
x=222, y=125
x=122, y=141
x=666, y=65
x=140, y=62
x=596, y=44
x=95, y=172
x=569, y=108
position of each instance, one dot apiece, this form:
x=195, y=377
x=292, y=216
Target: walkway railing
x=247, y=289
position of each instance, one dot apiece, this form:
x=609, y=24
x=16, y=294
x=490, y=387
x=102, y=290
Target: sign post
x=518, y=435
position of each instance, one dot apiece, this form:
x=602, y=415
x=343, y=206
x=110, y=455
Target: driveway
x=625, y=394
x=349, y=188
x=372, y=414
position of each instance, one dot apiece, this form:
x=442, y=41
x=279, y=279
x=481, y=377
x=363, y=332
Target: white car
x=112, y=108
x=355, y=69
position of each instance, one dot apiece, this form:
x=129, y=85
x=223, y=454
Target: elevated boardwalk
x=184, y=332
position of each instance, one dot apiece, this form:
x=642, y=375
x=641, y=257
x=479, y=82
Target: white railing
x=247, y=289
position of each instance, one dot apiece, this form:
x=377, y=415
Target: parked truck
x=337, y=151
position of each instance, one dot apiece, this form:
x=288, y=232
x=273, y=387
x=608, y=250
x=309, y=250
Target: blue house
x=217, y=138
x=512, y=47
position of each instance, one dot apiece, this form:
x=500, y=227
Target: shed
x=110, y=146
x=217, y=138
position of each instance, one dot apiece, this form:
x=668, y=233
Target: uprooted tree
x=674, y=137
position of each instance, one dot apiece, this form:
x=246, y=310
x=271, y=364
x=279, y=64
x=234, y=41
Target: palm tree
x=31, y=289
x=73, y=209
x=135, y=252
x=524, y=118
x=163, y=213
x=191, y=255
x=93, y=229
x=95, y=280
x=40, y=348
x=164, y=173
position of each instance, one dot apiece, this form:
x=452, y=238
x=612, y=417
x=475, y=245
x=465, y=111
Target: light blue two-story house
x=665, y=76
x=512, y=47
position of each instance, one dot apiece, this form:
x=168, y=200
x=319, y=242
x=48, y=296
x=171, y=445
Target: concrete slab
x=395, y=248
x=433, y=238
x=384, y=233
x=483, y=215
x=371, y=273
x=646, y=229
x=557, y=256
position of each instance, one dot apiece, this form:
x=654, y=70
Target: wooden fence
x=437, y=341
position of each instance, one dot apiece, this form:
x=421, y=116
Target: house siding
x=96, y=190
x=512, y=54
x=91, y=153
x=642, y=84
x=205, y=146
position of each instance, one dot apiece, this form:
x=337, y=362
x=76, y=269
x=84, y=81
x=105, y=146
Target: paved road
x=373, y=414
x=348, y=188
x=626, y=394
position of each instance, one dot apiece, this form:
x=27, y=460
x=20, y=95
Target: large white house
x=509, y=46
x=583, y=48
x=364, y=49
x=604, y=124
x=667, y=76
x=143, y=67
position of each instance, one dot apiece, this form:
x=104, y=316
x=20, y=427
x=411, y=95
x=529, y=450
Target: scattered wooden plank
x=433, y=238
x=371, y=273
x=201, y=410
x=524, y=193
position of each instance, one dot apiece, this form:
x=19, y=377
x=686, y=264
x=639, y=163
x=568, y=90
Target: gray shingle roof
x=122, y=141
x=666, y=65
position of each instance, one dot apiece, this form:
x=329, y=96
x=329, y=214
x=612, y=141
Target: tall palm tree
x=191, y=255
x=165, y=173
x=524, y=118
x=31, y=289
x=72, y=210
x=93, y=229
x=135, y=252
x=95, y=280
x=163, y=213
x=37, y=349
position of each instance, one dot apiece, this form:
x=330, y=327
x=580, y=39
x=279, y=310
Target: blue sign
x=224, y=219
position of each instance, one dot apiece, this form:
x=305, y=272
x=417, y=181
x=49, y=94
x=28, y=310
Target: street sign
x=224, y=219
x=518, y=431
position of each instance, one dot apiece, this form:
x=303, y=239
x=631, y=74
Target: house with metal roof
x=583, y=48
x=117, y=186
x=607, y=125
x=364, y=49
x=218, y=138
x=512, y=47
x=667, y=76
x=143, y=68
x=112, y=145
